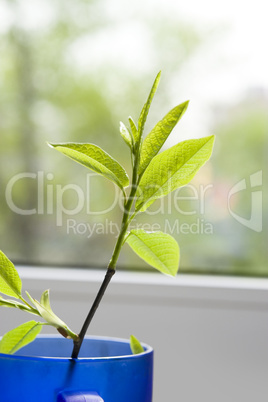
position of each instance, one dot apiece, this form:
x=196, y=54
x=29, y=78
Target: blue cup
x=105, y=371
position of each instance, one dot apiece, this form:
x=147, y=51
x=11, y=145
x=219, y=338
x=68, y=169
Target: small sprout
x=135, y=345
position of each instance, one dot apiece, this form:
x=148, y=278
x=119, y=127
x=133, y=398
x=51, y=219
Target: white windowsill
x=191, y=289
x=183, y=280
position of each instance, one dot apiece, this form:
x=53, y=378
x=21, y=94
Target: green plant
x=154, y=175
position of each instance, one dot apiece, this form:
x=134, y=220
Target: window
x=70, y=71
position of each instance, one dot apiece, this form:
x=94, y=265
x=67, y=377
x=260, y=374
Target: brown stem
x=77, y=344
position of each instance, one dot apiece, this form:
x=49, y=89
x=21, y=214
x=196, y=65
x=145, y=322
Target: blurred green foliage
x=46, y=95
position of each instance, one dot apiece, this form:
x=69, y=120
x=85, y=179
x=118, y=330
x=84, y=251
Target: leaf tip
x=212, y=138
x=185, y=106
x=173, y=274
x=50, y=144
x=135, y=345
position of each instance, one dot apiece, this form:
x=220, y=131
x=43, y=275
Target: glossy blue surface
x=78, y=396
x=105, y=367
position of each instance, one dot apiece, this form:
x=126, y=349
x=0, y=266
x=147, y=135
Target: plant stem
x=95, y=305
x=112, y=264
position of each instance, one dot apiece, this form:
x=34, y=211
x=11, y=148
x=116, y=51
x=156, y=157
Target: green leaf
x=157, y=249
x=45, y=310
x=134, y=129
x=45, y=300
x=8, y=303
x=126, y=135
x=173, y=168
x=96, y=159
x=146, y=107
x=157, y=137
x=15, y=304
x=135, y=345
x=10, y=282
x=19, y=337
x=49, y=316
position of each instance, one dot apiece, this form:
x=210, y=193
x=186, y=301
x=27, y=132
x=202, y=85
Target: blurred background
x=71, y=70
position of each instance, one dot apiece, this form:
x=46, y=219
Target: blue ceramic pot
x=105, y=371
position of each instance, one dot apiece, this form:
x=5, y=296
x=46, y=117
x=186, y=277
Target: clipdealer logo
x=254, y=222
x=51, y=199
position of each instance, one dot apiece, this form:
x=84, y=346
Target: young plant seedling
x=154, y=175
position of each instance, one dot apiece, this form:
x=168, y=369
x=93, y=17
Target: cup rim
x=148, y=350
